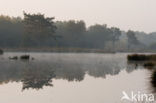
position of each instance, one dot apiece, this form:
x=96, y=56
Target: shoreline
x=72, y=50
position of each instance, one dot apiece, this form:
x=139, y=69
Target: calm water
x=70, y=78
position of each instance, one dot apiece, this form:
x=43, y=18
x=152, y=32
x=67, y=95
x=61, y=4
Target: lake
x=71, y=78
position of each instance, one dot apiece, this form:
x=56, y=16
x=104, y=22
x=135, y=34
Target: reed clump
x=149, y=64
x=141, y=57
x=1, y=51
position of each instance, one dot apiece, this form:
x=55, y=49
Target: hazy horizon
x=126, y=14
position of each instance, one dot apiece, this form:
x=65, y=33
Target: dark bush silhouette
x=1, y=51
x=14, y=58
x=137, y=57
x=25, y=57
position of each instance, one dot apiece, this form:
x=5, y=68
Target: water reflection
x=151, y=68
x=37, y=78
x=40, y=72
x=153, y=81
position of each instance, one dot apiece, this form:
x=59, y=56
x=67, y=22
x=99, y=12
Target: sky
x=138, y=15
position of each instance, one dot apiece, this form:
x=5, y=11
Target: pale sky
x=126, y=14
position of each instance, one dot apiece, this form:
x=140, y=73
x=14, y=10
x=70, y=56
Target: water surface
x=70, y=78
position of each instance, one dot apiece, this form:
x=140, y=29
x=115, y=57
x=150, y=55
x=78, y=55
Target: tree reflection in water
x=37, y=78
x=39, y=73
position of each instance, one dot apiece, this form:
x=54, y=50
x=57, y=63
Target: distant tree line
x=37, y=31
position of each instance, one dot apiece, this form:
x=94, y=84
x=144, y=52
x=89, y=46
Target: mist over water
x=70, y=77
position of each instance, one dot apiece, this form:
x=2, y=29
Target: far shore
x=57, y=50
x=72, y=50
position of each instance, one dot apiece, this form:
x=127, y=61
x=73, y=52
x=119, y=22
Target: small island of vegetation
x=148, y=60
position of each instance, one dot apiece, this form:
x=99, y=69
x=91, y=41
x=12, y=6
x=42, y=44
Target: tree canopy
x=38, y=27
x=37, y=31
